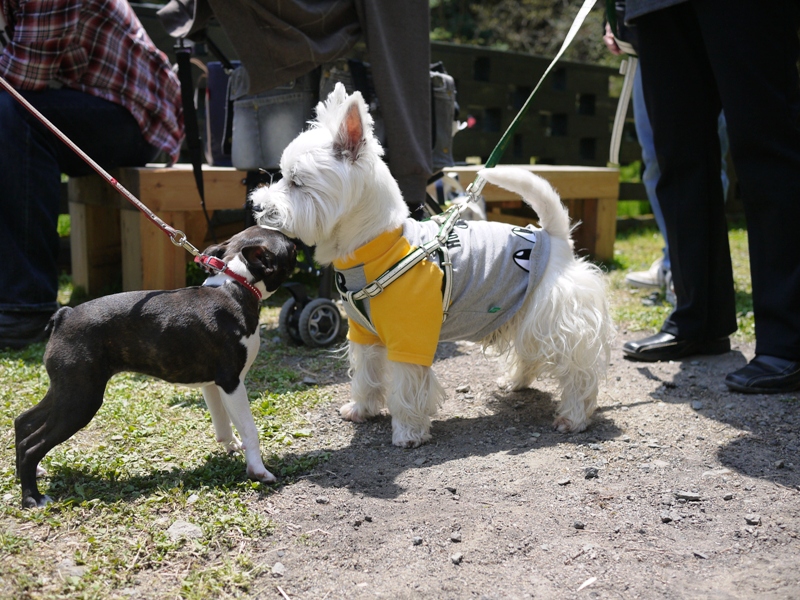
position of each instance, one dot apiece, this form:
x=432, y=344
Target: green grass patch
x=643, y=310
x=147, y=459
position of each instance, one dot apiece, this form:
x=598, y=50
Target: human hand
x=610, y=42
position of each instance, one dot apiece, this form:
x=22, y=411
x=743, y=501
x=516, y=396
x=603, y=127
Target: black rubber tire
x=288, y=322
x=320, y=323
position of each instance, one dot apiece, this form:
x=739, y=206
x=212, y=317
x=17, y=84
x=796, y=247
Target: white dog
x=519, y=291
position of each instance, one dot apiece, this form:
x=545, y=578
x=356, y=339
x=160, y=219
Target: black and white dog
x=203, y=337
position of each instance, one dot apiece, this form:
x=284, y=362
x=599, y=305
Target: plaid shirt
x=98, y=47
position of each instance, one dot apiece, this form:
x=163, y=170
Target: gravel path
x=679, y=489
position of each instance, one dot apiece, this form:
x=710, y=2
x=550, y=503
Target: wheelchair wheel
x=320, y=323
x=289, y=321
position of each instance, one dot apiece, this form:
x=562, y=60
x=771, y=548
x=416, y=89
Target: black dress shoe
x=766, y=375
x=665, y=346
x=19, y=329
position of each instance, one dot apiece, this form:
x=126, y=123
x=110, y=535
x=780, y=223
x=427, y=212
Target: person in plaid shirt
x=91, y=69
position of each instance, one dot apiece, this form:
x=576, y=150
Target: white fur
x=337, y=194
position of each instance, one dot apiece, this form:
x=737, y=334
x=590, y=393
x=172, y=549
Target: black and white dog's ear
x=268, y=267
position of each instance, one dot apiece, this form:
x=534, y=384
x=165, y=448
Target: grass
x=146, y=460
x=149, y=459
x=642, y=309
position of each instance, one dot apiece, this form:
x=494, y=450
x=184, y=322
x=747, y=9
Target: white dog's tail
x=537, y=193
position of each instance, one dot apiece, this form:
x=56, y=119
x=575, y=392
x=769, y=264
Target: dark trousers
x=31, y=162
x=699, y=57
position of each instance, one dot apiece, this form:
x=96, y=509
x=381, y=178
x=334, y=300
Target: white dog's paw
x=564, y=425
x=509, y=385
x=40, y=471
x=355, y=412
x=261, y=474
x=233, y=446
x=407, y=437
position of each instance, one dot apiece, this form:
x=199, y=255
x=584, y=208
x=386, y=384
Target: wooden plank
x=79, y=245
x=606, y=228
x=569, y=181
x=170, y=189
x=163, y=263
x=94, y=236
x=583, y=236
x=130, y=234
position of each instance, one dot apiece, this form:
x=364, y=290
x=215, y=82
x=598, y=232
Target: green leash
x=476, y=186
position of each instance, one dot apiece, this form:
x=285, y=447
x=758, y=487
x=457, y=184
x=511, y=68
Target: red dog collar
x=218, y=265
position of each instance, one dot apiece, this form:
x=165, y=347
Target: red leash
x=176, y=236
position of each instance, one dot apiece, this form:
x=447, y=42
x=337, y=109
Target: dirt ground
x=679, y=489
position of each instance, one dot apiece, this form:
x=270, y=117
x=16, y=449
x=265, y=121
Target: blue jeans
x=652, y=173
x=31, y=162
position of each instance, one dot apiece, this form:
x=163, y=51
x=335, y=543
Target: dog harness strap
x=358, y=311
x=438, y=244
x=218, y=265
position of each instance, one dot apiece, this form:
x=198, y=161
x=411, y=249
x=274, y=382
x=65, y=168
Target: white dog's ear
x=352, y=132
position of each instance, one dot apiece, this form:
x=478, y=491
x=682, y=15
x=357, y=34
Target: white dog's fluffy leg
x=220, y=420
x=368, y=382
x=414, y=396
x=238, y=407
x=566, y=330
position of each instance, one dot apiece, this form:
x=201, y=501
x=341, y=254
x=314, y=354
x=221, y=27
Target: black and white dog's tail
x=537, y=193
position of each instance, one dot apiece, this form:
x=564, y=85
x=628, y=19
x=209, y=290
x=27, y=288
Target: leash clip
x=178, y=238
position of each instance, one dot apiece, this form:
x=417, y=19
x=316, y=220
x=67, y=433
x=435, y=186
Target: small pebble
x=687, y=496
x=752, y=519
x=565, y=481
x=591, y=473
x=578, y=525
x=463, y=389
x=728, y=496
x=450, y=489
x=183, y=529
x=278, y=570
x=665, y=517
x=417, y=541
x=457, y=558
x=455, y=537
x=321, y=500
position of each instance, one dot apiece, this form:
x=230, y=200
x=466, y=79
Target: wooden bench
x=589, y=193
x=110, y=236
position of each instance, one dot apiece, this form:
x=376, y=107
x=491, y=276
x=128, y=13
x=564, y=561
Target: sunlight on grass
x=643, y=310
x=148, y=459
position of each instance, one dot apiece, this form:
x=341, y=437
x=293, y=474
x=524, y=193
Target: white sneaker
x=654, y=277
